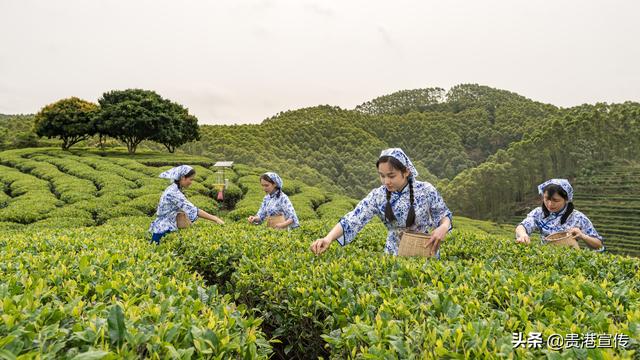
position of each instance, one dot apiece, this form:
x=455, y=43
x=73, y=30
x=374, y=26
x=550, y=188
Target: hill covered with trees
x=444, y=134
x=485, y=149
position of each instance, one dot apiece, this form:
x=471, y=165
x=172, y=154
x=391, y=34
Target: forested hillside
x=16, y=131
x=444, y=133
x=486, y=149
x=576, y=144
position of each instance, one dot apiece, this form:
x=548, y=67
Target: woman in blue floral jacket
x=275, y=202
x=557, y=214
x=173, y=200
x=401, y=203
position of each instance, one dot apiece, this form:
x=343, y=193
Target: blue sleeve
x=289, y=211
x=354, y=221
x=530, y=223
x=438, y=208
x=262, y=212
x=587, y=227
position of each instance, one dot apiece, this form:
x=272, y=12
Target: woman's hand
x=253, y=219
x=521, y=235
x=321, y=245
x=591, y=241
x=523, y=239
x=576, y=232
x=437, y=236
x=205, y=215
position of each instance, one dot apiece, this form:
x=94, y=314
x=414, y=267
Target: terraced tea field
x=79, y=279
x=611, y=199
x=48, y=188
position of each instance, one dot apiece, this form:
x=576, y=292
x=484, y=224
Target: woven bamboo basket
x=275, y=219
x=563, y=238
x=182, y=220
x=414, y=244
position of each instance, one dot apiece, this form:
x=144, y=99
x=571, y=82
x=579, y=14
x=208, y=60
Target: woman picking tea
x=174, y=202
x=275, y=203
x=402, y=203
x=557, y=214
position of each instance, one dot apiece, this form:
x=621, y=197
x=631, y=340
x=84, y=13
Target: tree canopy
x=71, y=120
x=134, y=115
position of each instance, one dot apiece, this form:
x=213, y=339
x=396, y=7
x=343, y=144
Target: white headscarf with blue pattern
x=276, y=179
x=563, y=183
x=176, y=173
x=399, y=155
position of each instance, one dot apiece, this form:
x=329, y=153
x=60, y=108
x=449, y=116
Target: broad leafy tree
x=70, y=119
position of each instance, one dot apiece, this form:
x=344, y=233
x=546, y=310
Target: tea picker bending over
x=557, y=214
x=173, y=203
x=275, y=205
x=402, y=203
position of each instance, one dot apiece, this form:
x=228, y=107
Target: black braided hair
x=388, y=210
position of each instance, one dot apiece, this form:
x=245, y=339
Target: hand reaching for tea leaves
x=205, y=215
x=436, y=238
x=521, y=235
x=320, y=245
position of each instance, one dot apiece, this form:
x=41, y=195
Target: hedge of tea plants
x=355, y=302
x=47, y=188
x=104, y=293
x=79, y=279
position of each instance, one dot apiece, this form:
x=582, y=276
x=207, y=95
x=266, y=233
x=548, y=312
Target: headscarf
x=563, y=183
x=399, y=155
x=275, y=178
x=176, y=173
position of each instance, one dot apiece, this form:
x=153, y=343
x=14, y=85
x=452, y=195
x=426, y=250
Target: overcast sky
x=243, y=61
